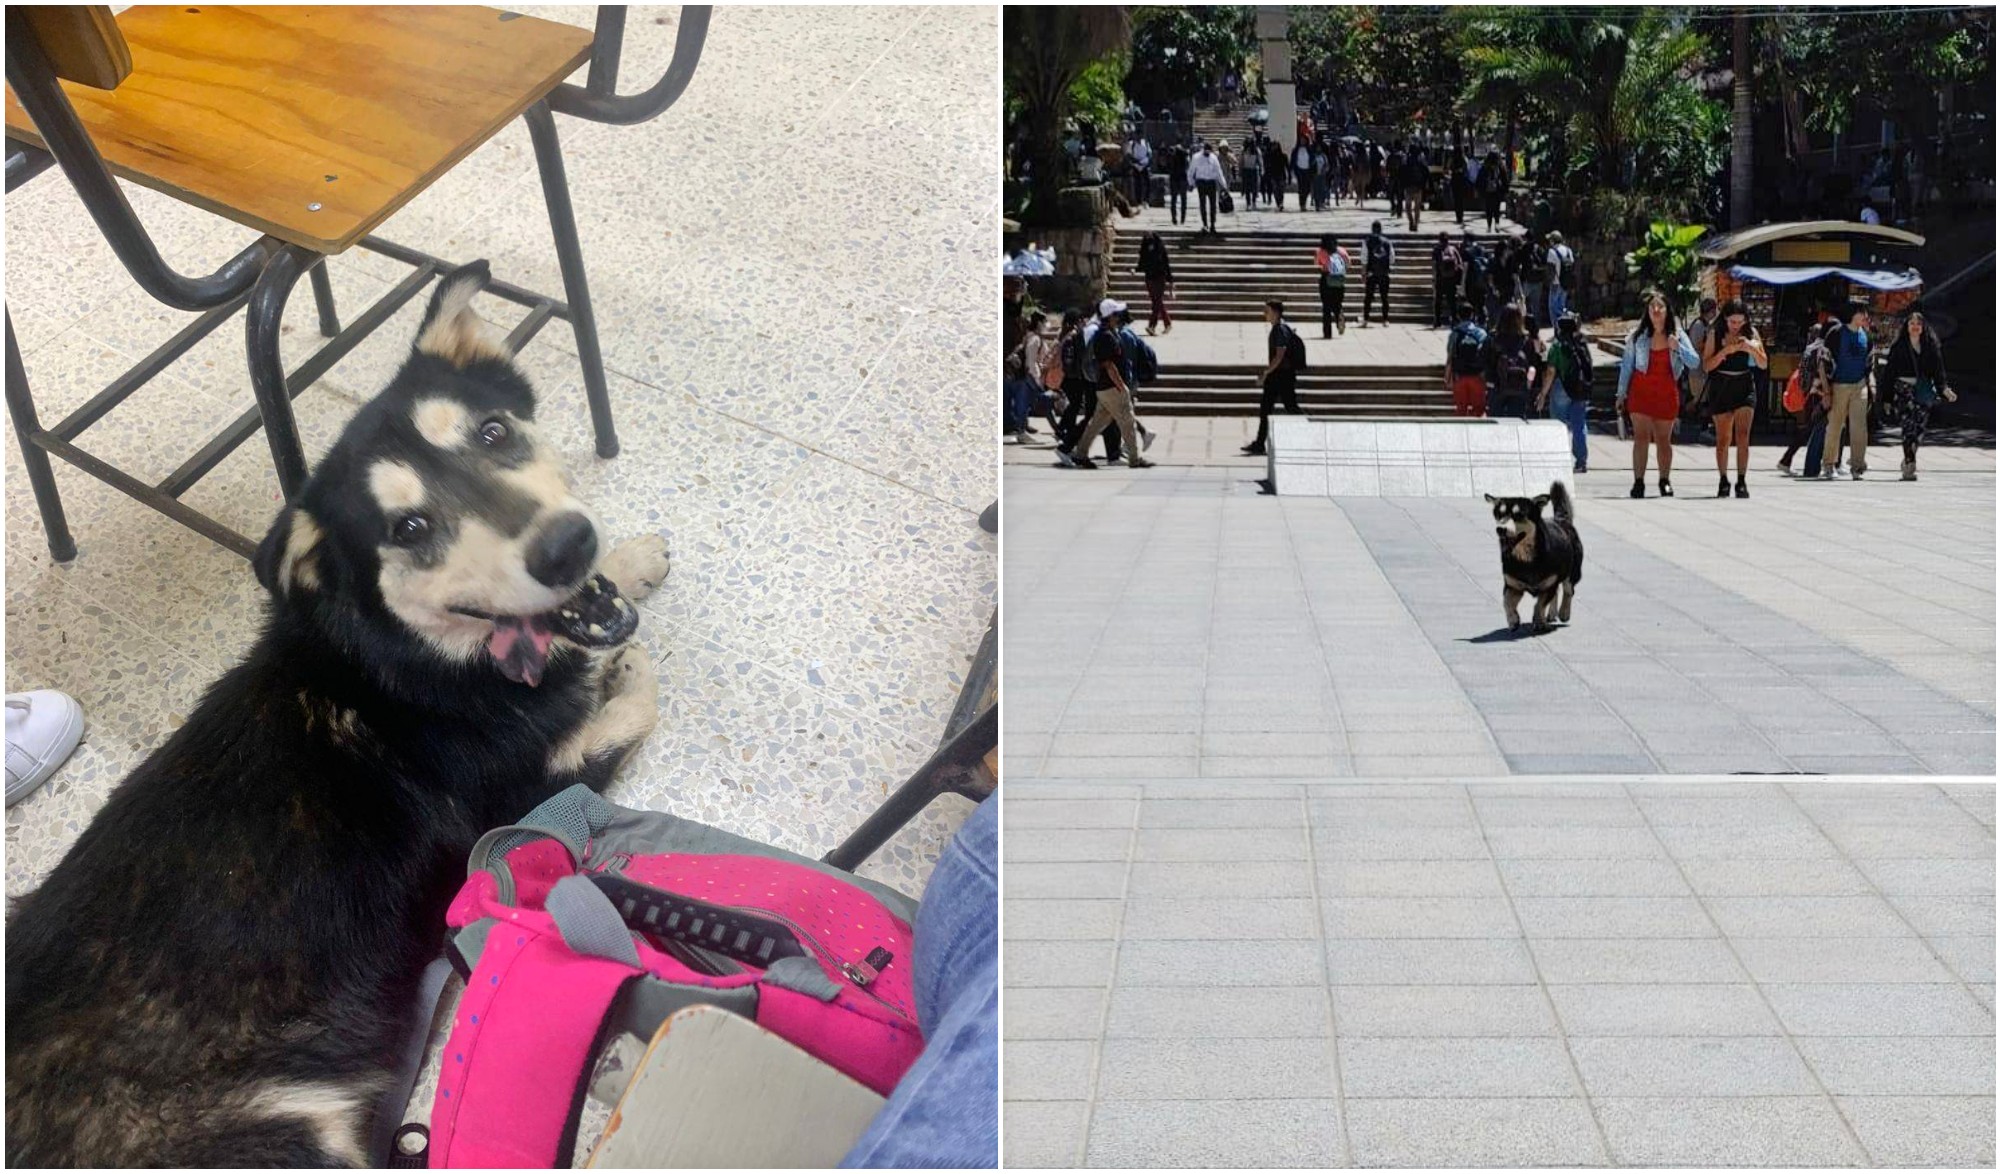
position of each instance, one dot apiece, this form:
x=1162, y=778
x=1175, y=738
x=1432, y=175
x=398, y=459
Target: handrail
x=34, y=82
x=598, y=100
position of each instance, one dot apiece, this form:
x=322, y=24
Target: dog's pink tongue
x=521, y=646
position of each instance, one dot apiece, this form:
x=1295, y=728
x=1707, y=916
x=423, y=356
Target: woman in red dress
x=1657, y=354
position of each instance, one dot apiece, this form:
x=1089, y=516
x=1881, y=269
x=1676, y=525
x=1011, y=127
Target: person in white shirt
x=1207, y=172
x=1558, y=265
x=1139, y=158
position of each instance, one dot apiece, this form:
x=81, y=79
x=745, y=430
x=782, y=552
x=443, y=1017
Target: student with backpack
x=1848, y=412
x=1559, y=270
x=1510, y=364
x=1478, y=275
x=1804, y=401
x=1567, y=380
x=1287, y=357
x=1493, y=182
x=1415, y=181
x=1381, y=257
x=1332, y=262
x=1447, y=271
x=1107, y=359
x=1465, y=363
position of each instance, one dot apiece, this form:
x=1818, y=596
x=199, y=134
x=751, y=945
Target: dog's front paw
x=637, y=565
x=630, y=674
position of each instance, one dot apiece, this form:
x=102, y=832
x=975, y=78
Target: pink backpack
x=588, y=920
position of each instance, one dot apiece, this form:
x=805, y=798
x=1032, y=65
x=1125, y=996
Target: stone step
x=1248, y=405
x=1355, y=371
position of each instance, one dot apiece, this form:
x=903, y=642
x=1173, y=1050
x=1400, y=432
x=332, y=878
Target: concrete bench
x=1314, y=456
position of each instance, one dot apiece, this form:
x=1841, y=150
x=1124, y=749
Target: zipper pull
x=870, y=968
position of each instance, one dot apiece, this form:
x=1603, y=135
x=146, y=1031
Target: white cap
x=1110, y=306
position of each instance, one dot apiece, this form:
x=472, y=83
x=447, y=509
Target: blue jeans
x=1558, y=302
x=1017, y=405
x=946, y=1110
x=1575, y=413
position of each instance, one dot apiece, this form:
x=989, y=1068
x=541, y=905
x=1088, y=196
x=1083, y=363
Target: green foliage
x=1665, y=260
x=1047, y=48
x=1896, y=60
x=1176, y=50
x=1402, y=64
x=1098, y=95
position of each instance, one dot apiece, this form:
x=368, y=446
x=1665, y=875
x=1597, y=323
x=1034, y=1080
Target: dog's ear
x=1541, y=499
x=451, y=330
x=288, y=559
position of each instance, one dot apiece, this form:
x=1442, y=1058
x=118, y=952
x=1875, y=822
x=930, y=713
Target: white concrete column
x=1274, y=43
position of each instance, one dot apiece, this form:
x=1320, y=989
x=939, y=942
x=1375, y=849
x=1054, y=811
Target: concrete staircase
x=1212, y=126
x=1223, y=390
x=1228, y=277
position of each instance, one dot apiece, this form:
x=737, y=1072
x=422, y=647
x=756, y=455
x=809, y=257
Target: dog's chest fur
x=1540, y=558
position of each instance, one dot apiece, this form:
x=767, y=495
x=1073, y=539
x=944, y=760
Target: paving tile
x=1408, y=878
x=1441, y=1011
x=1047, y=1070
x=1593, y=878
x=1218, y=919
x=1246, y=879
x=1035, y=814
x=1610, y=917
x=1235, y=1069
x=1573, y=843
x=1058, y=844
x=1713, y=877
x=1609, y=960
x=1408, y=843
x=1042, y=1135
x=1056, y=964
x=1900, y=959
x=1946, y=915
x=1521, y=1067
x=1930, y=878
x=1092, y=880
x=1970, y=956
x=1171, y=964
x=1889, y=1066
x=1058, y=919
x=1688, y=1066
x=1204, y=1133
x=1418, y=917
x=1221, y=813
x=1924, y=1131
x=1725, y=1131
x=1780, y=842
x=1191, y=845
x=1818, y=917
x=1052, y=1012
x=1877, y=1009
x=1658, y=1009
x=1403, y=961
x=1489, y=1133
x=1218, y=1012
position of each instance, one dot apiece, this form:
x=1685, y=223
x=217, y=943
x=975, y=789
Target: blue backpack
x=1143, y=364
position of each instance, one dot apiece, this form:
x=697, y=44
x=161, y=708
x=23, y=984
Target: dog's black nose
x=563, y=551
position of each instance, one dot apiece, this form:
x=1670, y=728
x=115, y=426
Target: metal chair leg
x=267, y=371
x=21, y=406
x=569, y=253
x=329, y=318
x=955, y=767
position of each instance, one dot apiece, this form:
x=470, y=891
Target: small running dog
x=221, y=970
x=1539, y=556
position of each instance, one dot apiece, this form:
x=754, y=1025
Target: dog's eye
x=493, y=434
x=410, y=529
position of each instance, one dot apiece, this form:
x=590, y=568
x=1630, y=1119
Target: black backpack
x=1378, y=253
x=1578, y=384
x=1512, y=363
x=1467, y=350
x=1075, y=373
x=1566, y=270
x=1295, y=350
x=1475, y=268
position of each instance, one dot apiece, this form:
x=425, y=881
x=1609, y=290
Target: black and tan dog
x=1539, y=556
x=220, y=971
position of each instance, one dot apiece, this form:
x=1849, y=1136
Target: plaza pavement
x=1177, y=623
x=1744, y=973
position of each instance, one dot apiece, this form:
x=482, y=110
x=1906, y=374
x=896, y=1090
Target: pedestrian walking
x=1805, y=400
x=1253, y=171
x=1447, y=273
x=1178, y=183
x=1462, y=168
x=1392, y=179
x=1732, y=356
x=1478, y=277
x=1114, y=395
x=1286, y=357
x=1534, y=282
x=1465, y=363
x=1321, y=191
x=1207, y=172
x=1416, y=182
x=1917, y=359
x=1493, y=183
x=1343, y=172
x=1381, y=258
x=1559, y=271
x=1848, y=414
x=1079, y=394
x=1274, y=174
x=1510, y=365
x=1332, y=262
x=1139, y=169
x=1566, y=386
x=1302, y=171
x=1158, y=270
x=1657, y=353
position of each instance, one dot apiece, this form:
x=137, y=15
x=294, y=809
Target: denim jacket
x=1638, y=354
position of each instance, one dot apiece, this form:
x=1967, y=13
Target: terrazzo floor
x=798, y=363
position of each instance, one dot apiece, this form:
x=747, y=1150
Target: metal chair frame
x=260, y=280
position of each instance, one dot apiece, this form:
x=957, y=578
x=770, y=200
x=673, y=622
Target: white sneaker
x=43, y=727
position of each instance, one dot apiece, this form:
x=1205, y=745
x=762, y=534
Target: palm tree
x=1742, y=132
x=1048, y=48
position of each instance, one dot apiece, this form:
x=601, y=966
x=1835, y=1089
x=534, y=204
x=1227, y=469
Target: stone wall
x=1606, y=290
x=1083, y=259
